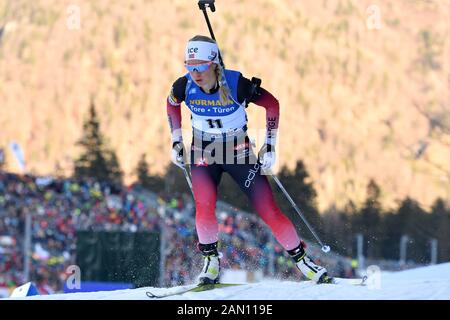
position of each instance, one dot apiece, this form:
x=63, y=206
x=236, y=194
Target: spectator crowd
x=58, y=208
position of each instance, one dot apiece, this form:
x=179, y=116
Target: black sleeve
x=178, y=90
x=246, y=90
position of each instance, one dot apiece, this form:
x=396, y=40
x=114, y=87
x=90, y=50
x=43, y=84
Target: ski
x=348, y=281
x=205, y=287
x=159, y=296
x=196, y=288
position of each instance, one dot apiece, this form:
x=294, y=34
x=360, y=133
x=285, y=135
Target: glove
x=178, y=154
x=266, y=156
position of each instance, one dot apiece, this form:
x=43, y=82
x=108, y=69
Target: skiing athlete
x=217, y=99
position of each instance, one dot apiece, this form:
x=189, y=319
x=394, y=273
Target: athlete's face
x=204, y=75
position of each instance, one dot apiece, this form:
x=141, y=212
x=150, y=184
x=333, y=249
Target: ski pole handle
x=202, y=4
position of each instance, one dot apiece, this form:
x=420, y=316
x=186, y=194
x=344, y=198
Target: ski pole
x=324, y=248
x=202, y=4
x=188, y=179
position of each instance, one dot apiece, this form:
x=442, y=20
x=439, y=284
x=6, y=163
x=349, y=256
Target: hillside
x=360, y=97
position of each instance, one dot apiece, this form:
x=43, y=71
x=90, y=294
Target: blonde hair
x=224, y=90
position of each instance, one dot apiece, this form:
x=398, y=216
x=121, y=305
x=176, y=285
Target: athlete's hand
x=267, y=156
x=178, y=154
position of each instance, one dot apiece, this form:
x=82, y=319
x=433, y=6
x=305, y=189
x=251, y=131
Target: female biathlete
x=217, y=99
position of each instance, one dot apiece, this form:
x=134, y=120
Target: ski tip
x=151, y=295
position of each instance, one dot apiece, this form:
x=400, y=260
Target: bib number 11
x=217, y=123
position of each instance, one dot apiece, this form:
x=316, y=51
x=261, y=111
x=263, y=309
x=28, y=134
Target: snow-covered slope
x=423, y=283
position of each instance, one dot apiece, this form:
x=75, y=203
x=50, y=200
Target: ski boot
x=211, y=269
x=307, y=266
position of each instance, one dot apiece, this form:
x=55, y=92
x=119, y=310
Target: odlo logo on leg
x=251, y=175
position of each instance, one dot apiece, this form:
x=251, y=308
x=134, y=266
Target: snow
x=427, y=283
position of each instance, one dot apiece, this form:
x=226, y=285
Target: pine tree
x=142, y=171
x=115, y=172
x=391, y=236
x=411, y=220
x=369, y=223
x=97, y=160
x=337, y=230
x=2, y=158
x=147, y=181
x=441, y=226
x=348, y=233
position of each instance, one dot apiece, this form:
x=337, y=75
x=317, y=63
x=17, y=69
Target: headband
x=202, y=50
